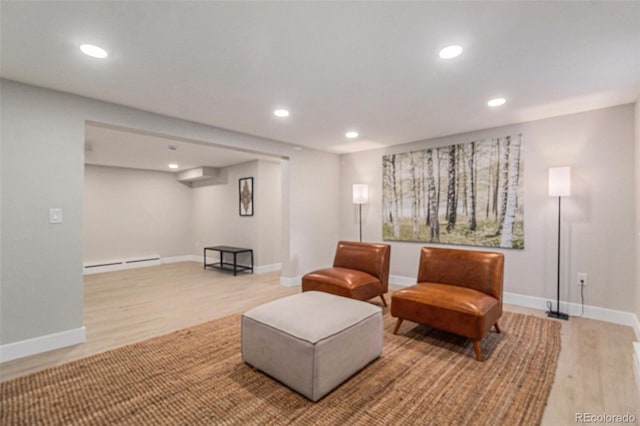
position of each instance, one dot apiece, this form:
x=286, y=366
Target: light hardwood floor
x=595, y=372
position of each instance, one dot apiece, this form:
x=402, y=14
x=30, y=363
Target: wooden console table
x=227, y=266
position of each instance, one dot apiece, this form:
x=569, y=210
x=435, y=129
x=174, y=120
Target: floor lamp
x=360, y=197
x=559, y=186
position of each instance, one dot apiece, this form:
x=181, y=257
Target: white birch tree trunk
x=472, y=186
x=414, y=196
x=506, y=238
x=396, y=219
x=504, y=180
x=387, y=214
x=496, y=181
x=434, y=225
x=451, y=189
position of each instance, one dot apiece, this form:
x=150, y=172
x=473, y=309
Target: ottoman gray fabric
x=312, y=341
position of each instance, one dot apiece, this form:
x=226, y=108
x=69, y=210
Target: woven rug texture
x=196, y=376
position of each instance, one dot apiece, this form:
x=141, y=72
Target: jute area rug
x=196, y=377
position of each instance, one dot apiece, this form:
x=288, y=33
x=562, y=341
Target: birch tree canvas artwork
x=466, y=194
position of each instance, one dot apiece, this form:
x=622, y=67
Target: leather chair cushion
x=459, y=310
x=343, y=282
x=370, y=258
x=481, y=271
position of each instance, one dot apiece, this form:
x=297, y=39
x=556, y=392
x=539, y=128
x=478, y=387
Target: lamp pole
x=559, y=185
x=557, y=313
x=559, y=244
x=360, y=219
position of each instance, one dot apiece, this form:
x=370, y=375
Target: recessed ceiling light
x=451, y=51
x=496, y=102
x=94, y=51
x=297, y=148
x=351, y=134
x=173, y=166
x=281, y=113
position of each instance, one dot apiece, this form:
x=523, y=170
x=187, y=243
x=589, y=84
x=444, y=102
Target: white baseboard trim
x=291, y=281
x=268, y=268
x=36, y=345
x=573, y=309
x=177, y=259
x=636, y=362
x=636, y=327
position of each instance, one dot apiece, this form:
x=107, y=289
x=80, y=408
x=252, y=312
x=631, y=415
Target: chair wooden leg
x=395, y=329
x=497, y=328
x=384, y=302
x=476, y=347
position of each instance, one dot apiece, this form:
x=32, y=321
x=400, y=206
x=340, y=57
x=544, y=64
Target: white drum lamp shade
x=360, y=193
x=560, y=181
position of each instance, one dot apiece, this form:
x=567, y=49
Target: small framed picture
x=245, y=187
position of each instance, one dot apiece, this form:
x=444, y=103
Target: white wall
x=637, y=199
x=268, y=210
x=314, y=214
x=42, y=134
x=216, y=217
x=42, y=167
x=135, y=213
x=598, y=225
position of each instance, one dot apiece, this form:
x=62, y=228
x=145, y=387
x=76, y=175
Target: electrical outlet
x=55, y=215
x=582, y=278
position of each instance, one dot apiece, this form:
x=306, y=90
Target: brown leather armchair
x=360, y=271
x=459, y=291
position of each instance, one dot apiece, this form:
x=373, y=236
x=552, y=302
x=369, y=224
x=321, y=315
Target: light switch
x=55, y=215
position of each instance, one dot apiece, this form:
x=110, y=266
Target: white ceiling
x=368, y=66
x=106, y=146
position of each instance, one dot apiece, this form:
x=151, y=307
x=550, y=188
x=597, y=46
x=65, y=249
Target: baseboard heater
x=117, y=265
x=151, y=259
x=102, y=264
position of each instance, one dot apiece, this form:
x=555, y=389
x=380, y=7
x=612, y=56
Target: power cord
x=581, y=299
x=549, y=304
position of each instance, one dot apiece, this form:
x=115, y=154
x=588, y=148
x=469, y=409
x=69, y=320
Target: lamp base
x=557, y=315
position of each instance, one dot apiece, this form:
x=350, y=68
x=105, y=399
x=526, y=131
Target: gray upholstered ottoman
x=312, y=341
